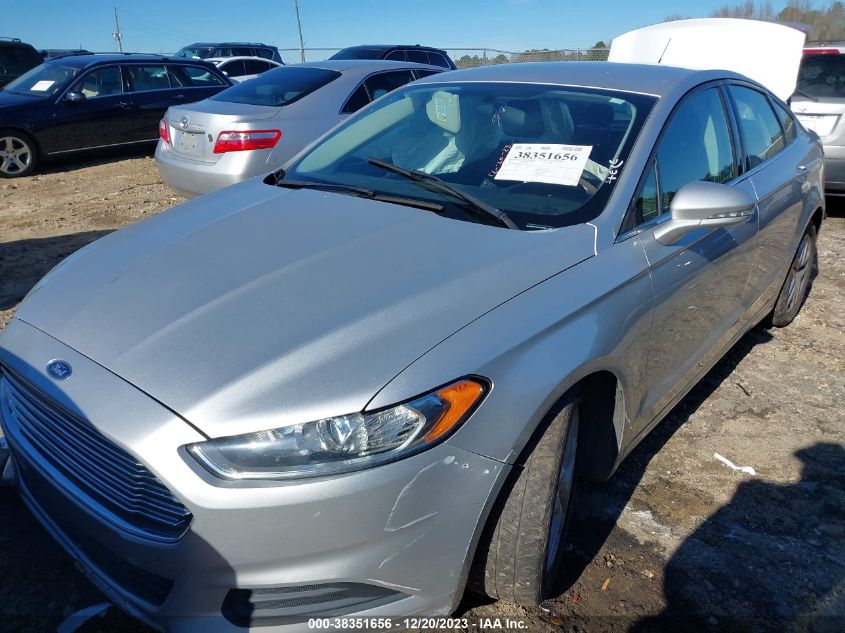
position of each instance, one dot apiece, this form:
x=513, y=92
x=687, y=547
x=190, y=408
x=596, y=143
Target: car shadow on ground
x=737, y=559
x=72, y=162
x=24, y=262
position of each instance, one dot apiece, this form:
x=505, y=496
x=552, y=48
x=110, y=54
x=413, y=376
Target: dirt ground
x=677, y=541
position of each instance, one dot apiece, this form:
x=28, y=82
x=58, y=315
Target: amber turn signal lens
x=461, y=396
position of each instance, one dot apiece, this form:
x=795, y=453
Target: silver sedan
x=364, y=382
x=254, y=127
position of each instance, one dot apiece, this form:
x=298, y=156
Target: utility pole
x=117, y=35
x=299, y=26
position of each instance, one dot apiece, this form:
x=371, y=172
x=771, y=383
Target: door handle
x=122, y=105
x=802, y=168
x=179, y=97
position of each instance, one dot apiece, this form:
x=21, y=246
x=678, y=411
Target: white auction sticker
x=554, y=164
x=41, y=86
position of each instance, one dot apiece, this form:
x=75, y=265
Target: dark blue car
x=89, y=102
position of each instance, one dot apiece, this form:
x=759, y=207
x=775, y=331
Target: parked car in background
x=255, y=127
x=16, y=57
x=351, y=386
x=90, y=102
x=203, y=50
x=400, y=53
x=242, y=68
x=819, y=103
x=50, y=53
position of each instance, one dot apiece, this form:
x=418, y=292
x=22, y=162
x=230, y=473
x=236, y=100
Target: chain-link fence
x=472, y=57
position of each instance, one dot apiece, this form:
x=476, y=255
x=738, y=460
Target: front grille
x=139, y=582
x=90, y=468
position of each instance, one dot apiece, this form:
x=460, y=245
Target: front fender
x=593, y=317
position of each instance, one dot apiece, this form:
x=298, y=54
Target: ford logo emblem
x=59, y=369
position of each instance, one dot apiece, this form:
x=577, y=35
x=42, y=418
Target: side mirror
x=704, y=205
x=74, y=97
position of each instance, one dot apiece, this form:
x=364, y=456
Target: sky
x=164, y=25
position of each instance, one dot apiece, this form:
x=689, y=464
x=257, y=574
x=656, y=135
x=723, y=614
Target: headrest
x=522, y=119
x=444, y=109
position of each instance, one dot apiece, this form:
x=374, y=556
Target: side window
x=423, y=72
x=696, y=145
x=255, y=67
x=760, y=130
x=358, y=100
x=176, y=79
x=101, y=82
x=242, y=52
x=418, y=57
x=396, y=56
x=266, y=53
x=148, y=78
x=222, y=52
x=647, y=206
x=787, y=122
x=200, y=76
x=234, y=68
x=437, y=59
x=382, y=83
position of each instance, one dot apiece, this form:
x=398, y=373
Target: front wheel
x=797, y=283
x=521, y=552
x=18, y=155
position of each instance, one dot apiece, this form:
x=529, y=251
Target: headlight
x=348, y=442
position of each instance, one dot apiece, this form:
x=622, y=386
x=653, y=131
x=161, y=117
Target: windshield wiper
x=361, y=192
x=480, y=207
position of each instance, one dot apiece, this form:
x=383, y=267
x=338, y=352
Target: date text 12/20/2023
x=386, y=624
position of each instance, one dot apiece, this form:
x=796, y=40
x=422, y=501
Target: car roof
x=387, y=47
x=229, y=44
x=364, y=65
x=236, y=57
x=654, y=80
x=83, y=61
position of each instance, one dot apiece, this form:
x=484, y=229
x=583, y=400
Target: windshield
x=43, y=81
x=358, y=52
x=548, y=156
x=195, y=52
x=822, y=76
x=278, y=87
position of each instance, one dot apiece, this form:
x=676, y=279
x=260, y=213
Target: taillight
x=821, y=51
x=246, y=140
x=164, y=130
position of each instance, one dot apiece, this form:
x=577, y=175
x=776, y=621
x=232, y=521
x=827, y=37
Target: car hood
x=11, y=102
x=257, y=307
x=766, y=52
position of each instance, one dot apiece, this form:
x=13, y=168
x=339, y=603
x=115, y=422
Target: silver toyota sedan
x=254, y=127
x=363, y=383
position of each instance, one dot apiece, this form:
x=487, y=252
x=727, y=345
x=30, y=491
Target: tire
x=520, y=554
x=798, y=279
x=18, y=154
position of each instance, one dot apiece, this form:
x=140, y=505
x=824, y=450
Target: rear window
x=200, y=76
x=278, y=87
x=16, y=60
x=358, y=52
x=822, y=76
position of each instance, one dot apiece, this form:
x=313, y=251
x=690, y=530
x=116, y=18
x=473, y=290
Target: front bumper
x=408, y=527
x=192, y=178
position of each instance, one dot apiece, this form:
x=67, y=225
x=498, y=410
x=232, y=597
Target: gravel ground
x=676, y=541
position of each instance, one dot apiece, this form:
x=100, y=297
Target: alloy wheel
x=16, y=155
x=799, y=273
